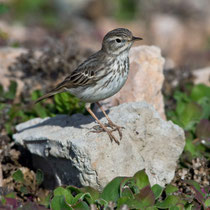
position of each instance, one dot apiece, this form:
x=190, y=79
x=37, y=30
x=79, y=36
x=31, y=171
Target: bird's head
x=118, y=41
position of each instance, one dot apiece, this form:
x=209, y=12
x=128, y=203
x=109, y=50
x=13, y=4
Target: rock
x=202, y=76
x=8, y=56
x=65, y=149
x=145, y=79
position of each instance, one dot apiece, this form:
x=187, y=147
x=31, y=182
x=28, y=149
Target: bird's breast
x=115, y=76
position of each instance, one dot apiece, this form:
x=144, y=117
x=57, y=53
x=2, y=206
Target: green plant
x=26, y=187
x=134, y=192
x=13, y=112
x=192, y=113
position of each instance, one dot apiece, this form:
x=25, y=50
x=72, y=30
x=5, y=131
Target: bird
x=100, y=76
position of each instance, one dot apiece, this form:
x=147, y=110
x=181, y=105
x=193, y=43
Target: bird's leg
x=110, y=123
x=111, y=136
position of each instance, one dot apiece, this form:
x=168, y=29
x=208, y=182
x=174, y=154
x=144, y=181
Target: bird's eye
x=118, y=40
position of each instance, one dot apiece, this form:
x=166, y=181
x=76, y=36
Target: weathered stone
x=8, y=56
x=65, y=149
x=145, y=79
x=202, y=76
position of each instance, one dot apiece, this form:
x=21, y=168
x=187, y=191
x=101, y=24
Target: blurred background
x=180, y=28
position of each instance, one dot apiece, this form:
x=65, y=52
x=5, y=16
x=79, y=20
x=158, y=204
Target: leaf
x=128, y=182
x=102, y=202
x=157, y=190
x=199, y=91
x=73, y=189
x=190, y=147
x=39, y=177
x=81, y=206
x=94, y=194
x=60, y=191
x=80, y=197
x=24, y=189
x=205, y=104
x=111, y=192
x=141, y=179
x=58, y=202
x=36, y=94
x=199, y=195
x=207, y=202
x=170, y=201
x=40, y=110
x=190, y=115
x=170, y=189
x=18, y=176
x=127, y=193
x=203, y=129
x=10, y=94
x=146, y=196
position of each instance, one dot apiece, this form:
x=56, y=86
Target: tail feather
x=49, y=94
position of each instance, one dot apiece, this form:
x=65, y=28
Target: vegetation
x=192, y=113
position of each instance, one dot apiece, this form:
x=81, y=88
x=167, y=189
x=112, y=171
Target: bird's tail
x=49, y=94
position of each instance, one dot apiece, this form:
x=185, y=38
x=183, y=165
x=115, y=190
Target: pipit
x=101, y=76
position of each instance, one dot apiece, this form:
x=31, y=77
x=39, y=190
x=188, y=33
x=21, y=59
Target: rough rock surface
x=145, y=79
x=202, y=76
x=8, y=56
x=65, y=149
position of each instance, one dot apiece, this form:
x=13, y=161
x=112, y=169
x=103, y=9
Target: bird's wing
x=89, y=72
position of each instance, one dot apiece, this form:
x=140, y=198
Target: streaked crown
x=118, y=41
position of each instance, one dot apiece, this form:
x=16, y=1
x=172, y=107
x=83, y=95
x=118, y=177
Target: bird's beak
x=136, y=38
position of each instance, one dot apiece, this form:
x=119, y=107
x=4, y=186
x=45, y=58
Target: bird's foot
x=116, y=127
x=99, y=129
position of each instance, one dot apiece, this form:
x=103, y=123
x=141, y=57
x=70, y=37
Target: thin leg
x=112, y=125
x=112, y=137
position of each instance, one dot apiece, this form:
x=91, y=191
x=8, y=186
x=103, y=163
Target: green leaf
x=36, y=94
x=111, y=191
x=199, y=195
x=94, y=194
x=170, y=189
x=40, y=110
x=205, y=104
x=81, y=206
x=190, y=147
x=60, y=191
x=39, y=177
x=207, y=202
x=58, y=202
x=142, y=179
x=169, y=202
x=174, y=208
x=203, y=129
x=146, y=196
x=101, y=202
x=11, y=195
x=10, y=94
x=24, y=190
x=18, y=176
x=123, y=200
x=80, y=197
x=200, y=91
x=157, y=190
x=126, y=192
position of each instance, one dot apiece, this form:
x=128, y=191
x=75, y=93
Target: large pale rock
x=202, y=76
x=145, y=79
x=8, y=56
x=65, y=149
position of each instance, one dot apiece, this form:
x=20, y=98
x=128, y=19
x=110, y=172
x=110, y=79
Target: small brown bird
x=101, y=76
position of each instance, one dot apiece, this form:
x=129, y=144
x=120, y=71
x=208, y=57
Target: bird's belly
x=104, y=88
